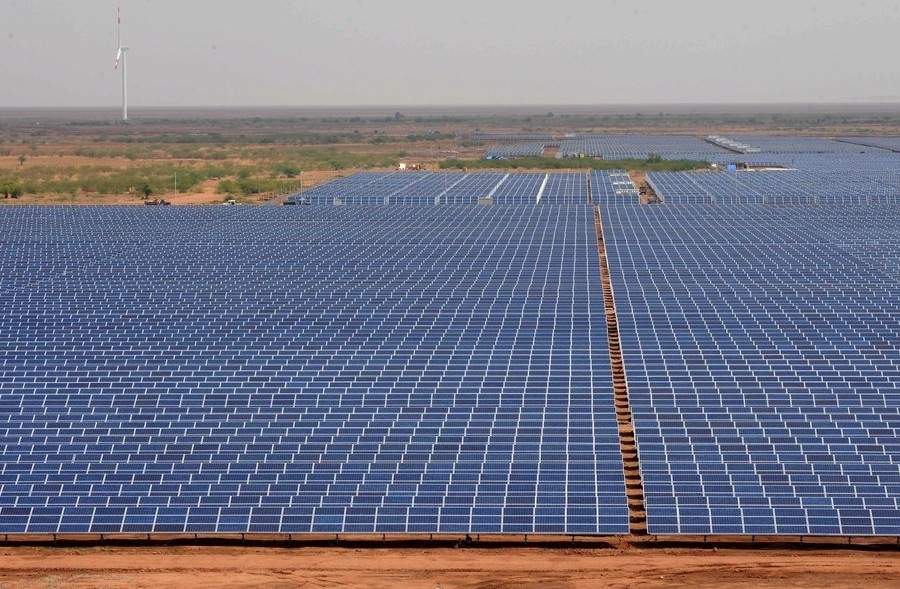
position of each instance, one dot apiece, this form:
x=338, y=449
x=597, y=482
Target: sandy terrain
x=427, y=568
x=203, y=194
x=11, y=163
x=208, y=195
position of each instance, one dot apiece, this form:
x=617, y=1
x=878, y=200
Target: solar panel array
x=445, y=369
x=616, y=147
x=732, y=145
x=798, y=144
x=712, y=148
x=755, y=149
x=763, y=367
x=520, y=189
x=305, y=369
x=777, y=187
x=517, y=150
x=442, y=188
x=613, y=185
x=565, y=189
x=510, y=137
x=830, y=162
x=889, y=143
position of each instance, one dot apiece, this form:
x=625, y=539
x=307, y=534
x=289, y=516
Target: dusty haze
x=57, y=53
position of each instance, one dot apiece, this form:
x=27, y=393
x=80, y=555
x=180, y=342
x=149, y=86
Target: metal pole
x=124, y=88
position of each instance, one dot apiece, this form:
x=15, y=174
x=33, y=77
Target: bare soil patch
x=65, y=161
x=473, y=568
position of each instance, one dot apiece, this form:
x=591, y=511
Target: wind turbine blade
x=118, y=58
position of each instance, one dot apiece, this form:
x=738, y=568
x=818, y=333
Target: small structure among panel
x=613, y=185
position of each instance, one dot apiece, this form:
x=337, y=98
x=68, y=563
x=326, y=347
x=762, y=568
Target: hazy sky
x=399, y=52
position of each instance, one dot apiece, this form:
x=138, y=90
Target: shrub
x=10, y=189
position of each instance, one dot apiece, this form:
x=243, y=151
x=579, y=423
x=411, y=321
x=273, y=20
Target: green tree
x=290, y=171
x=10, y=189
x=22, y=159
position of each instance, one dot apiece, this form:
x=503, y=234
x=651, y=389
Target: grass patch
x=106, y=180
x=251, y=186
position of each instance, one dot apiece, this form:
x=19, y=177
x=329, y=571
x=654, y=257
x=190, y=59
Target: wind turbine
x=120, y=56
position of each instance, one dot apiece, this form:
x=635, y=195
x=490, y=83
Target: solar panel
x=534, y=149
x=617, y=147
x=732, y=145
x=823, y=163
x=442, y=188
x=520, y=189
x=888, y=143
x=307, y=369
x=613, y=185
x=799, y=144
x=763, y=370
x=565, y=189
x=510, y=137
x=782, y=187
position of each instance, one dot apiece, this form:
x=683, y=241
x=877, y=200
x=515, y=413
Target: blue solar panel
x=763, y=366
x=613, y=185
x=781, y=187
x=887, y=143
x=732, y=145
x=617, y=147
x=520, y=189
x=565, y=189
x=822, y=163
x=797, y=144
x=306, y=369
x=509, y=137
x=442, y=188
x=534, y=149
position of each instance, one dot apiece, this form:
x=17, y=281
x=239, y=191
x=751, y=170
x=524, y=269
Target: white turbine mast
x=120, y=57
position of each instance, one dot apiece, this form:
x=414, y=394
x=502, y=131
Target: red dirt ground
x=155, y=567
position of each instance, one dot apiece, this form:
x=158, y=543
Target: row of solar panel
x=809, y=153
x=440, y=188
x=512, y=137
x=379, y=369
x=424, y=188
x=613, y=147
x=888, y=143
x=759, y=364
x=618, y=147
x=486, y=517
x=799, y=144
x=881, y=161
x=777, y=187
x=531, y=149
x=613, y=186
x=793, y=273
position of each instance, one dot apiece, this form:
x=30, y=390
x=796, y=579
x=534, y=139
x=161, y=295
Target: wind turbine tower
x=120, y=57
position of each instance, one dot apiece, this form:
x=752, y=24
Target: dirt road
x=447, y=568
